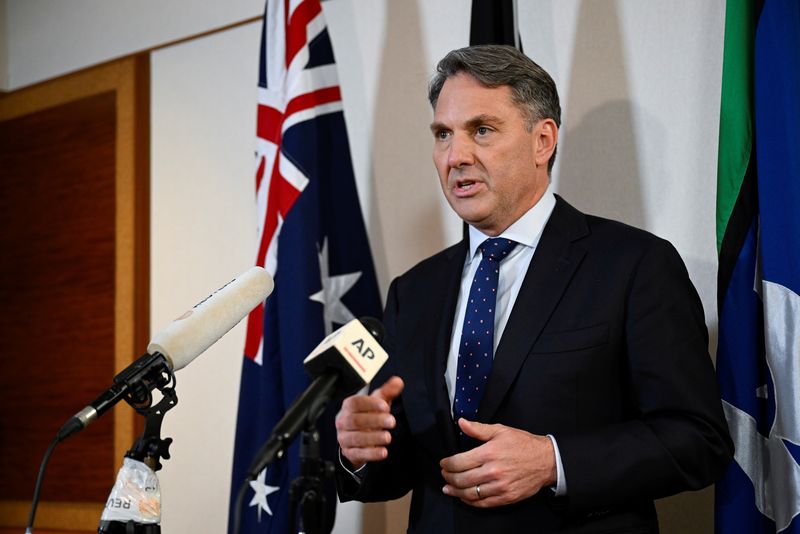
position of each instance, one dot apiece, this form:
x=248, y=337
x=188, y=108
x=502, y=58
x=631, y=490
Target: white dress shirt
x=526, y=231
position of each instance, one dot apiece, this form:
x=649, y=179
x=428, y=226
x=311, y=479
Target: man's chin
x=484, y=224
x=471, y=218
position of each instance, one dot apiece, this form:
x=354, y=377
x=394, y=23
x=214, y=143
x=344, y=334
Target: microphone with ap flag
x=353, y=351
x=344, y=362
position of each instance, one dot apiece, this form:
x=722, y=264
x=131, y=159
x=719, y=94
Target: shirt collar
x=526, y=230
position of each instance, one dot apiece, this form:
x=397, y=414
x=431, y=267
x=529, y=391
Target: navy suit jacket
x=605, y=348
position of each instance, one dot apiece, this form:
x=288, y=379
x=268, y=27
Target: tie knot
x=497, y=248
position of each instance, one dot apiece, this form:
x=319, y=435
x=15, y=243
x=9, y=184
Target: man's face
x=486, y=160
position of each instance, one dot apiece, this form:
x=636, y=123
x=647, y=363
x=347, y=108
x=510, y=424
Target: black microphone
x=178, y=345
x=344, y=362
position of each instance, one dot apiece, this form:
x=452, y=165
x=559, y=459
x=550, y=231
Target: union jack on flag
x=311, y=239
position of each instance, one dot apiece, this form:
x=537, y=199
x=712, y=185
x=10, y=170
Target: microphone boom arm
x=305, y=411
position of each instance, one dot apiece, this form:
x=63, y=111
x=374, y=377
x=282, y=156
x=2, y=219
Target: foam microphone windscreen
x=193, y=332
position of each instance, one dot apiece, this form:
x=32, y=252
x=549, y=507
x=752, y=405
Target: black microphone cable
x=38, y=487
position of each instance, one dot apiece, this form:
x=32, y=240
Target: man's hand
x=512, y=465
x=362, y=426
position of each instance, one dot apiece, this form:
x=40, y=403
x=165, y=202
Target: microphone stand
x=148, y=449
x=307, y=490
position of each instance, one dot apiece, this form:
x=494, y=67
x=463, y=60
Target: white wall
x=202, y=235
x=47, y=38
x=3, y=46
x=639, y=83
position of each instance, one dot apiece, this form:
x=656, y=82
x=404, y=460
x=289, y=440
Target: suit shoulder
x=435, y=262
x=623, y=234
x=614, y=242
x=620, y=244
x=596, y=231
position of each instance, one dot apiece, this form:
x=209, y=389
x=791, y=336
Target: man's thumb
x=390, y=389
x=477, y=430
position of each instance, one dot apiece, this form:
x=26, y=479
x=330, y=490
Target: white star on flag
x=262, y=490
x=333, y=289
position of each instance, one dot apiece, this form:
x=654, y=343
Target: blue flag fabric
x=312, y=240
x=758, y=360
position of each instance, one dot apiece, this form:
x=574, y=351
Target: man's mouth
x=465, y=184
x=466, y=188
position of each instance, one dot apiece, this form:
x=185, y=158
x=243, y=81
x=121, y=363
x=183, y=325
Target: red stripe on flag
x=268, y=123
x=262, y=163
x=270, y=217
x=255, y=331
x=296, y=27
x=280, y=199
x=315, y=98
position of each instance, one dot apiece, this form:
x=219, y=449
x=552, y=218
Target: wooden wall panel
x=74, y=269
x=57, y=284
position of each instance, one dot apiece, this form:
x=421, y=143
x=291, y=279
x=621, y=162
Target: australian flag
x=758, y=197
x=311, y=239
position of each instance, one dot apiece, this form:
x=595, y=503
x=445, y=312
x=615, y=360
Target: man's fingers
x=491, y=495
x=469, y=494
x=363, y=424
x=365, y=421
x=360, y=456
x=364, y=404
x=464, y=479
x=376, y=438
x=390, y=389
x=463, y=461
x=361, y=447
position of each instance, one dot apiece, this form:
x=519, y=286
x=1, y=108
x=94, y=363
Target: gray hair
x=532, y=89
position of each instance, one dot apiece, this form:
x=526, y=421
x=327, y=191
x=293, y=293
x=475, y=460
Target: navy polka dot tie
x=475, y=354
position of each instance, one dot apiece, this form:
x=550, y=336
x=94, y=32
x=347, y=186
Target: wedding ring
x=478, y=491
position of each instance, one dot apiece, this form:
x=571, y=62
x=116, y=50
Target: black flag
x=494, y=22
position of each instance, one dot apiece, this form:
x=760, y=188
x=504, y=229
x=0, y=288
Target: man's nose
x=461, y=152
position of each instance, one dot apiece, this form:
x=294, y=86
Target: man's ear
x=546, y=138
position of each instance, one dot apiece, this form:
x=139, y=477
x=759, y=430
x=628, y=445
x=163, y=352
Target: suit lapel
x=441, y=301
x=556, y=258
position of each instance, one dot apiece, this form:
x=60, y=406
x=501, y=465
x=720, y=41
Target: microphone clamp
x=134, y=384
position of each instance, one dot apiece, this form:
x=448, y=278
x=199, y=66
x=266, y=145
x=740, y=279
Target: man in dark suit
x=550, y=372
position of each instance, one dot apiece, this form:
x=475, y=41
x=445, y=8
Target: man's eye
x=482, y=130
x=442, y=135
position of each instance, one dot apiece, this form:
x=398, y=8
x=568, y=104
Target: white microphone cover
x=192, y=333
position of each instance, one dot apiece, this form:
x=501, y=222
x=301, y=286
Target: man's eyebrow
x=483, y=118
x=471, y=123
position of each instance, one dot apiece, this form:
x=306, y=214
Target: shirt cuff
x=561, y=481
x=358, y=474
